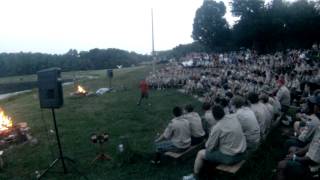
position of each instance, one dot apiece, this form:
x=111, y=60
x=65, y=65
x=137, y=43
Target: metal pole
x=153, y=53
x=58, y=140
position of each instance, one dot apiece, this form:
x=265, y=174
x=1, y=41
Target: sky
x=55, y=26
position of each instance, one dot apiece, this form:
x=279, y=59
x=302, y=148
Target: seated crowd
x=244, y=99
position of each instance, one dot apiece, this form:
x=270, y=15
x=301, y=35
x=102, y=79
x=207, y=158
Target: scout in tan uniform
x=197, y=132
x=300, y=162
x=248, y=121
x=176, y=137
x=259, y=110
x=226, y=143
x=208, y=118
x=307, y=126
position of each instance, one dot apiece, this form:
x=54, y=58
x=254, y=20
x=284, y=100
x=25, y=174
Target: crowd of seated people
x=246, y=96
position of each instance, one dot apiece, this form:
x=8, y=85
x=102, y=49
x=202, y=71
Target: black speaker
x=110, y=73
x=50, y=88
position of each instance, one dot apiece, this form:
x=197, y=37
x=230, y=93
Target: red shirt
x=144, y=86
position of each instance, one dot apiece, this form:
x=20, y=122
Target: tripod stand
x=101, y=156
x=101, y=139
x=61, y=157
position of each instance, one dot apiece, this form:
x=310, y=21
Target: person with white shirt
x=248, y=121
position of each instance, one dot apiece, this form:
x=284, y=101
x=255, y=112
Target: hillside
x=117, y=114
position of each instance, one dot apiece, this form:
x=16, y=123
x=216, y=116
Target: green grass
x=65, y=75
x=117, y=114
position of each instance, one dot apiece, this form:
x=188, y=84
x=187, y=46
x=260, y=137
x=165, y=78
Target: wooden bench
x=190, y=150
x=232, y=169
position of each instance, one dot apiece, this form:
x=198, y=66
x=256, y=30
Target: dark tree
x=29, y=63
x=210, y=28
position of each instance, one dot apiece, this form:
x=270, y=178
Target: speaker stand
x=61, y=157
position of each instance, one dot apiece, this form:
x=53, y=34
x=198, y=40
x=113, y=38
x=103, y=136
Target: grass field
x=25, y=82
x=117, y=114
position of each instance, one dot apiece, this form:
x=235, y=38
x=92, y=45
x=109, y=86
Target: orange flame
x=5, y=121
x=81, y=90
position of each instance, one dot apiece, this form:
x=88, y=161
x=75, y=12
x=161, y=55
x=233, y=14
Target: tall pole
x=153, y=53
x=58, y=140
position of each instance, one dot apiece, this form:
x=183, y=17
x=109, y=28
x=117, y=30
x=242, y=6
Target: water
x=8, y=95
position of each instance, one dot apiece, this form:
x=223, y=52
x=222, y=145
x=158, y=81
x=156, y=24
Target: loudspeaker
x=110, y=73
x=50, y=88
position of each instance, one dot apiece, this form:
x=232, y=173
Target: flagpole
x=153, y=53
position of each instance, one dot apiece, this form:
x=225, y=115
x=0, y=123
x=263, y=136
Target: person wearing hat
x=248, y=121
x=306, y=127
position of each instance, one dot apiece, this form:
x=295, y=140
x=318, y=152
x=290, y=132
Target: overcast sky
x=55, y=26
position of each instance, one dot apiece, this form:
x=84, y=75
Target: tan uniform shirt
x=261, y=118
x=250, y=126
x=195, y=124
x=314, y=148
x=275, y=104
x=227, y=136
x=208, y=117
x=283, y=95
x=178, y=131
x=268, y=114
x=308, y=131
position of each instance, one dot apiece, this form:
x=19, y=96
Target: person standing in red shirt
x=144, y=89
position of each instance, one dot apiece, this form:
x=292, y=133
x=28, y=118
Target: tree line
x=266, y=27
x=29, y=63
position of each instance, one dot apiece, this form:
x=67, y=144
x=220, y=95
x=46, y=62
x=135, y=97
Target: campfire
x=11, y=133
x=5, y=122
x=81, y=91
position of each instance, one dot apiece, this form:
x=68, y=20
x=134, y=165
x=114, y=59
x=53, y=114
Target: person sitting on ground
x=176, y=137
x=269, y=109
x=248, y=121
x=197, y=132
x=259, y=111
x=226, y=143
x=305, y=128
x=275, y=104
x=301, y=162
x=208, y=118
x=283, y=95
x=225, y=105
